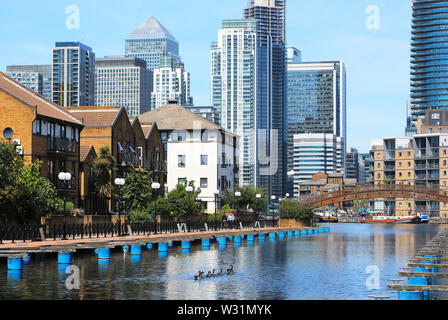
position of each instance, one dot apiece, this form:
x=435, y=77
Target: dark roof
x=85, y=151
x=97, y=117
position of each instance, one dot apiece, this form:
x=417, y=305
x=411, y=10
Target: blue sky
x=377, y=60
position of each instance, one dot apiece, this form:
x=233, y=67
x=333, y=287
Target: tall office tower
x=352, y=164
x=123, y=82
x=24, y=71
x=171, y=83
x=293, y=55
x=31, y=80
x=316, y=102
x=364, y=169
x=271, y=95
x=316, y=152
x=234, y=90
x=429, y=57
x=73, y=74
x=150, y=42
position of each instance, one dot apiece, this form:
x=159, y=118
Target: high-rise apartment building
x=171, y=83
x=316, y=102
x=315, y=153
x=234, y=90
x=364, y=169
x=25, y=72
x=429, y=57
x=150, y=41
x=123, y=82
x=31, y=80
x=73, y=74
x=421, y=160
x=293, y=55
x=352, y=164
x=271, y=96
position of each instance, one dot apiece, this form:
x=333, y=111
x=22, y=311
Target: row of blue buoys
x=15, y=263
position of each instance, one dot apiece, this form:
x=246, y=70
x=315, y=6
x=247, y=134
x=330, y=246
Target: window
x=399, y=164
x=409, y=153
x=181, y=181
x=204, y=160
x=435, y=116
x=379, y=165
x=181, y=161
x=204, y=183
x=444, y=151
x=204, y=136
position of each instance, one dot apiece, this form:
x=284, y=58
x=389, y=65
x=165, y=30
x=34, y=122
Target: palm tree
x=103, y=168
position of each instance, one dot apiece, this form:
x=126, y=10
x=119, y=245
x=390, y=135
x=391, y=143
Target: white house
x=197, y=150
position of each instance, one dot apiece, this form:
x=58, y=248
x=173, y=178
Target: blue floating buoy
x=15, y=263
x=64, y=257
x=222, y=240
x=186, y=245
x=163, y=254
x=103, y=253
x=205, y=243
x=272, y=236
x=125, y=249
x=136, y=250
x=290, y=234
x=310, y=231
x=237, y=239
x=304, y=233
x=261, y=236
x=149, y=246
x=163, y=247
x=327, y=229
x=250, y=237
x=27, y=258
x=297, y=233
x=322, y=230
x=411, y=295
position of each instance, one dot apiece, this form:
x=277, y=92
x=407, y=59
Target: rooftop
x=43, y=106
x=151, y=29
x=97, y=117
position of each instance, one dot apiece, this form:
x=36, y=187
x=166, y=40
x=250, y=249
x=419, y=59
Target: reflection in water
x=322, y=266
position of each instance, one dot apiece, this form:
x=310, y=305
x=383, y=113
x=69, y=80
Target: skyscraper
x=73, y=74
x=429, y=57
x=171, y=83
x=352, y=164
x=44, y=72
x=150, y=41
x=316, y=102
x=271, y=92
x=234, y=89
x=123, y=82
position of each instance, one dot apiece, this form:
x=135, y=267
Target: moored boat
x=390, y=219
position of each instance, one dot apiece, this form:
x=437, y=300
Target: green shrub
x=291, y=209
x=59, y=206
x=139, y=216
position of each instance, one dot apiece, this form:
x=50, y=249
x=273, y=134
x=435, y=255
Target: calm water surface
x=318, y=267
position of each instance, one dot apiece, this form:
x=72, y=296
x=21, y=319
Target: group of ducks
x=211, y=274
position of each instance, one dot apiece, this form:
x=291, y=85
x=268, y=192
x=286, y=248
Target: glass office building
x=316, y=102
x=123, y=82
x=44, y=71
x=429, y=57
x=150, y=42
x=73, y=74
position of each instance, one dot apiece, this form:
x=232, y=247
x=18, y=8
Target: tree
x=184, y=203
x=291, y=209
x=103, y=168
x=248, y=199
x=137, y=192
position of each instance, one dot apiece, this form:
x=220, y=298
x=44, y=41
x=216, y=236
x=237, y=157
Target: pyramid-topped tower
x=151, y=29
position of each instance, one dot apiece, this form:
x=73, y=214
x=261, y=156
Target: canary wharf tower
x=271, y=97
x=429, y=56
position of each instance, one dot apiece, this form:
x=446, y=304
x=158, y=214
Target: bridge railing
x=346, y=191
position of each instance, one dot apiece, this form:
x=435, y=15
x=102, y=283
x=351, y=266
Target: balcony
x=126, y=157
x=62, y=145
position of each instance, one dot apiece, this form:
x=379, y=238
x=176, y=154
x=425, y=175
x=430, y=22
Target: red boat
x=390, y=220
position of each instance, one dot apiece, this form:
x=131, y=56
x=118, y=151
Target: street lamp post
x=216, y=193
x=156, y=187
x=272, y=205
x=189, y=190
x=119, y=182
x=258, y=196
x=65, y=177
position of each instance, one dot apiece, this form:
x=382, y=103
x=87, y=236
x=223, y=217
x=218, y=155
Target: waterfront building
x=150, y=41
x=73, y=74
x=44, y=71
x=42, y=131
x=421, y=160
x=293, y=55
x=352, y=164
x=271, y=93
x=316, y=153
x=429, y=57
x=129, y=142
x=197, y=150
x=207, y=112
x=316, y=102
x=171, y=82
x=234, y=93
x=123, y=81
x=364, y=169
x=324, y=183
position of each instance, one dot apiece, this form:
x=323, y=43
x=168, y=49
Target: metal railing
x=62, y=145
x=26, y=233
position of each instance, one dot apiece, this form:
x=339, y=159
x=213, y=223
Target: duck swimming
x=199, y=276
x=220, y=273
x=230, y=271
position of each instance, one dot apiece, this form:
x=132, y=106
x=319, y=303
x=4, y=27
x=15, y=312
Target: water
x=317, y=267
